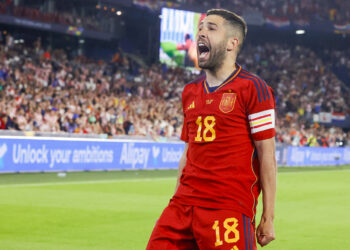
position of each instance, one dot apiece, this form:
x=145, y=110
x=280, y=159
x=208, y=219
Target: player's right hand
x=265, y=232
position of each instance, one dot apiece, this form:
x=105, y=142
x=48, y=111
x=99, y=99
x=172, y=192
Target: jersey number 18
x=209, y=123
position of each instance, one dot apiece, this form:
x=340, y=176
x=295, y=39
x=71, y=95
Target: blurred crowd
x=297, y=10
x=41, y=90
x=339, y=61
x=302, y=82
x=299, y=134
x=44, y=91
x=57, y=17
x=304, y=86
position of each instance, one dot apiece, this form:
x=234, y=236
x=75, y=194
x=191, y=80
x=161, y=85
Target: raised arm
x=182, y=164
x=266, y=152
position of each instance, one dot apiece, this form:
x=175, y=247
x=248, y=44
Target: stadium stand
x=63, y=17
x=304, y=86
x=42, y=90
x=339, y=62
x=296, y=10
x=48, y=90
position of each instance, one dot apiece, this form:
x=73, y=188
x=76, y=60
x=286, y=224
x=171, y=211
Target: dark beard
x=216, y=58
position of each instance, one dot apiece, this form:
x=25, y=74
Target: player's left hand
x=265, y=232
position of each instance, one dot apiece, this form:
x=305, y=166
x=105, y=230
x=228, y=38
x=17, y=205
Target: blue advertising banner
x=310, y=156
x=39, y=154
x=281, y=155
x=36, y=154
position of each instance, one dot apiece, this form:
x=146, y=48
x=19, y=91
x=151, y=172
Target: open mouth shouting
x=203, y=51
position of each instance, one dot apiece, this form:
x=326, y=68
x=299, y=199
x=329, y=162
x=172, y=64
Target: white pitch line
x=86, y=182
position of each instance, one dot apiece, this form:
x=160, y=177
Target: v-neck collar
x=224, y=83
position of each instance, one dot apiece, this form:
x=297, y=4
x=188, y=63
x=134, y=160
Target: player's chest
x=224, y=103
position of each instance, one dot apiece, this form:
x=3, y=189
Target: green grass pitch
x=117, y=210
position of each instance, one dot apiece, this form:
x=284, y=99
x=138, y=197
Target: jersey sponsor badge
x=261, y=121
x=227, y=102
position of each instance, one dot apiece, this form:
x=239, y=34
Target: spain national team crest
x=227, y=102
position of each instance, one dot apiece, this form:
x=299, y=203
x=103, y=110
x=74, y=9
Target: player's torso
x=219, y=172
x=218, y=128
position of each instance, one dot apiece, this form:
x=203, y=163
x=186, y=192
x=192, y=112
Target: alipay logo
x=3, y=150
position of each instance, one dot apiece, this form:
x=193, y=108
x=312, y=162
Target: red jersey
x=220, y=126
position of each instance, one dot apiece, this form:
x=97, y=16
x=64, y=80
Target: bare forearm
x=268, y=185
x=266, y=153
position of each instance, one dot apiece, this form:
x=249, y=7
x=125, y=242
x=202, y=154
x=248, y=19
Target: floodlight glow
x=300, y=32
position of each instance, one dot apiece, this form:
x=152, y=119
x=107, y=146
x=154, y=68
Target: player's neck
x=217, y=76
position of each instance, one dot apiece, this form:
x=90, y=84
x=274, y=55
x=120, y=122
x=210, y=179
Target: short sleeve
x=261, y=110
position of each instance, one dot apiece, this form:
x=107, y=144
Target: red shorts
x=189, y=227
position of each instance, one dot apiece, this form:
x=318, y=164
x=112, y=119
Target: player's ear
x=233, y=43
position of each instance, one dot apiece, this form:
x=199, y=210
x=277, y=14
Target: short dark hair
x=233, y=19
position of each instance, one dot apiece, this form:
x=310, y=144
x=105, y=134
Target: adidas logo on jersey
x=191, y=106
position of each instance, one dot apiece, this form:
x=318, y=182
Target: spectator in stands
x=299, y=11
x=51, y=94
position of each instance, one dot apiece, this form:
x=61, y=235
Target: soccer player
x=229, y=157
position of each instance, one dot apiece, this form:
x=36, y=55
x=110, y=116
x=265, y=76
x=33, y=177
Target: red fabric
x=190, y=227
x=47, y=55
x=222, y=173
x=2, y=124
